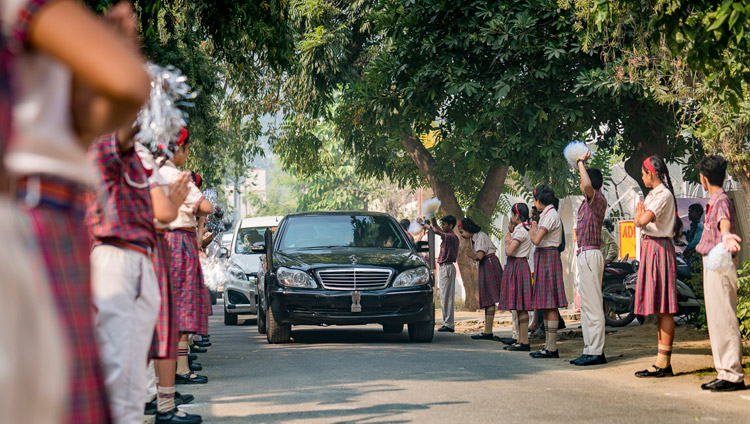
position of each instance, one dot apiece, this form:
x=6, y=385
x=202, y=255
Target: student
x=185, y=266
x=720, y=287
x=490, y=272
x=609, y=248
x=590, y=264
x=694, y=233
x=656, y=287
x=515, y=293
x=55, y=43
x=447, y=268
x=549, y=289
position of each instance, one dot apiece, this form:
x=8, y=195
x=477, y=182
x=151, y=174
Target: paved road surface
x=361, y=375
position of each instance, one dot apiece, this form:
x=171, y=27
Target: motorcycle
x=619, y=295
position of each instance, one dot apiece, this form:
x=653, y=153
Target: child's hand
x=732, y=242
x=640, y=209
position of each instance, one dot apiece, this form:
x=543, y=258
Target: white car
x=240, y=293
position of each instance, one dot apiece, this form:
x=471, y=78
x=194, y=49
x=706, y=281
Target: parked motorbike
x=619, y=296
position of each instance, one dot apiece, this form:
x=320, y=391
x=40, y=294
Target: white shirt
x=660, y=202
x=521, y=234
x=550, y=221
x=483, y=243
x=43, y=140
x=186, y=213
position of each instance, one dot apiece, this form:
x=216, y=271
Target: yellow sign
x=627, y=239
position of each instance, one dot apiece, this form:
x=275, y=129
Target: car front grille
x=350, y=279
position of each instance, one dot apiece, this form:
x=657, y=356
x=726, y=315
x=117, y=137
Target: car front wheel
x=229, y=319
x=422, y=332
x=277, y=333
x=261, y=321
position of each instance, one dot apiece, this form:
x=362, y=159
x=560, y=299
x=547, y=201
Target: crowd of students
x=102, y=268
x=514, y=289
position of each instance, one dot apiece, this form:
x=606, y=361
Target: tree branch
x=491, y=190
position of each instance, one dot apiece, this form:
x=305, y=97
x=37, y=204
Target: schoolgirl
x=656, y=286
x=185, y=270
x=490, y=272
x=515, y=292
x=53, y=43
x=549, y=288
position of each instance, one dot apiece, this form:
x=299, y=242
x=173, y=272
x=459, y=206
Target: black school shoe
x=723, y=386
x=482, y=336
x=657, y=373
x=518, y=347
x=587, y=360
x=446, y=329
x=544, y=353
x=194, y=366
x=202, y=343
x=190, y=379
x=505, y=340
x=171, y=417
x=179, y=399
x=197, y=349
x=192, y=357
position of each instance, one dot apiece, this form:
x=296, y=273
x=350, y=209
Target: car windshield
x=331, y=231
x=246, y=237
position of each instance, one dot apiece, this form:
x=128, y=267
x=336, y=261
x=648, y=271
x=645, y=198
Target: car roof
x=260, y=221
x=365, y=213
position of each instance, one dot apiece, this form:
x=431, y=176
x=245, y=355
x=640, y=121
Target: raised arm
x=436, y=228
x=586, y=187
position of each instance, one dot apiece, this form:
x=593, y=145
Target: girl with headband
x=549, y=288
x=656, y=287
x=490, y=272
x=515, y=292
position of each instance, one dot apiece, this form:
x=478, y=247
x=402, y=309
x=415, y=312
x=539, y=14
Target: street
x=360, y=374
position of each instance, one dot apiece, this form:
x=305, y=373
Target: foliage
x=743, y=299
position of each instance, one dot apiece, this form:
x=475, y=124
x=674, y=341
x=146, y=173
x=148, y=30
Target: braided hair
x=662, y=172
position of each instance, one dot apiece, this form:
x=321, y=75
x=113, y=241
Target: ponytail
x=656, y=165
x=521, y=211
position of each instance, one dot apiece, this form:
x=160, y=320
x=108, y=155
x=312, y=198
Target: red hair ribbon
x=183, y=137
x=516, y=209
x=534, y=192
x=461, y=224
x=197, y=179
x=160, y=146
x=649, y=167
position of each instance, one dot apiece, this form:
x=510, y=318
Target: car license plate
x=356, y=297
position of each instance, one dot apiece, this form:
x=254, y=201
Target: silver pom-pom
x=161, y=119
x=719, y=259
x=575, y=150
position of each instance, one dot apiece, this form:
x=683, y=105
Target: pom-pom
x=574, y=151
x=215, y=272
x=430, y=207
x=719, y=259
x=160, y=120
x=415, y=228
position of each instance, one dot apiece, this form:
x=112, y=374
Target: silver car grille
x=350, y=279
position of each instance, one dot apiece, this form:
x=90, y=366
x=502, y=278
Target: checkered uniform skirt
x=206, y=302
x=515, y=290
x=656, y=286
x=186, y=280
x=490, y=276
x=164, y=343
x=549, y=288
x=64, y=244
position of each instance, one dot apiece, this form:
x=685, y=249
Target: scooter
x=619, y=297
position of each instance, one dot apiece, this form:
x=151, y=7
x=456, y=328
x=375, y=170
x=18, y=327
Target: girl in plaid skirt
x=515, y=293
x=549, y=288
x=490, y=272
x=656, y=287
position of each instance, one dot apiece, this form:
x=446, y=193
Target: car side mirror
x=224, y=253
x=258, y=247
x=423, y=247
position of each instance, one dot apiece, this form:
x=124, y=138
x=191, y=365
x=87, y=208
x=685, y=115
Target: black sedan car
x=343, y=268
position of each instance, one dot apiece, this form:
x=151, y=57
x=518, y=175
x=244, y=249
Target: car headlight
x=413, y=277
x=237, y=274
x=295, y=278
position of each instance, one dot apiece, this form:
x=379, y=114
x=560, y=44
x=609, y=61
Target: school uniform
x=549, y=288
x=185, y=271
x=447, y=276
x=490, y=270
x=720, y=293
x=656, y=284
x=164, y=344
x=590, y=265
x=515, y=292
x=49, y=173
x=126, y=292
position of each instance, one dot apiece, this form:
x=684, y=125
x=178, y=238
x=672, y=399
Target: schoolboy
x=447, y=268
x=720, y=287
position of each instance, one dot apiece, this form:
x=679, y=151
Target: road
x=361, y=375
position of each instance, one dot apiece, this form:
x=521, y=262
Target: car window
x=246, y=237
x=327, y=231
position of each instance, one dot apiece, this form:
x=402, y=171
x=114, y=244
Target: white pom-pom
x=719, y=259
x=415, y=228
x=430, y=207
x=574, y=151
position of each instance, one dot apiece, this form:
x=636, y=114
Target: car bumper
x=334, y=307
x=240, y=300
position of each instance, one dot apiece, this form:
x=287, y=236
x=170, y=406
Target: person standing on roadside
x=447, y=268
x=720, y=286
x=608, y=247
x=516, y=283
x=590, y=264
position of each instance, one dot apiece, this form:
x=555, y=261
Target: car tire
x=261, y=321
x=277, y=333
x=422, y=332
x=214, y=297
x=393, y=328
x=230, y=319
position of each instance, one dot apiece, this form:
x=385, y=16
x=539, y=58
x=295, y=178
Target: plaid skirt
x=515, y=290
x=656, y=286
x=57, y=220
x=490, y=276
x=186, y=280
x=549, y=288
x=164, y=343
